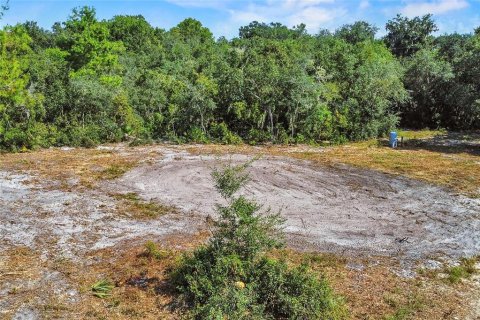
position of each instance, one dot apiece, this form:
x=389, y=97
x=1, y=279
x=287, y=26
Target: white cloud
x=314, y=17
x=247, y=16
x=433, y=7
x=364, y=4
x=314, y=13
x=300, y=3
x=215, y=4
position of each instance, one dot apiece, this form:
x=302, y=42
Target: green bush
x=231, y=278
x=222, y=134
x=14, y=139
x=295, y=293
x=256, y=136
x=87, y=136
x=195, y=134
x=29, y=137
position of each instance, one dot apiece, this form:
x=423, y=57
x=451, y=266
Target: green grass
x=102, y=289
x=152, y=251
x=464, y=270
x=454, y=274
x=420, y=134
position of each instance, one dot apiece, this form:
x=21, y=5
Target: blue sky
x=224, y=17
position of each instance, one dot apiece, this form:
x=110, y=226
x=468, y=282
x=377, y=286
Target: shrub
x=28, y=137
x=464, y=270
x=152, y=251
x=81, y=136
x=231, y=278
x=196, y=135
x=222, y=134
x=295, y=293
x=256, y=136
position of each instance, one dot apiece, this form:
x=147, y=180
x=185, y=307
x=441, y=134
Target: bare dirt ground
x=327, y=209
x=55, y=225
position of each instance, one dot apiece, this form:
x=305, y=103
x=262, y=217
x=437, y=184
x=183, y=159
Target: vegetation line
x=88, y=81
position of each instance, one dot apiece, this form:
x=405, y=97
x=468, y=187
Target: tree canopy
x=88, y=81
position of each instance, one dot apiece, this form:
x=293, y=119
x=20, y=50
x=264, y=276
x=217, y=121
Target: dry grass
x=20, y=267
x=63, y=166
x=376, y=292
x=133, y=206
x=459, y=171
x=141, y=289
x=420, y=134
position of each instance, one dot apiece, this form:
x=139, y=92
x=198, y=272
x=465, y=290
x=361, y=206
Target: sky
x=224, y=17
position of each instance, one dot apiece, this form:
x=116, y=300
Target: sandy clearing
x=69, y=224
x=330, y=209
x=340, y=209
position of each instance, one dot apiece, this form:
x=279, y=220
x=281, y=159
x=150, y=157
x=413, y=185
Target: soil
x=339, y=209
x=47, y=226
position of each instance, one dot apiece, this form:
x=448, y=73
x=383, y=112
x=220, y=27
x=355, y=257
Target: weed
x=102, y=289
x=152, y=251
x=131, y=196
x=464, y=270
x=134, y=206
x=113, y=171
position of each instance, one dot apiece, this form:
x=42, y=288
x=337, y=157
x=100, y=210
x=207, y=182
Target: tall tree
x=273, y=30
x=357, y=32
x=134, y=32
x=21, y=111
x=428, y=79
x=87, y=42
x=406, y=36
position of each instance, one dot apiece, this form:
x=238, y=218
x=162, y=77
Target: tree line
x=87, y=81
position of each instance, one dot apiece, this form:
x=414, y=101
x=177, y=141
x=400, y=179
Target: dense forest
x=87, y=81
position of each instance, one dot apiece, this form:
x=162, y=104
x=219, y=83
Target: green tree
x=90, y=50
x=358, y=32
x=49, y=72
x=231, y=277
x=136, y=34
x=21, y=110
x=463, y=109
x=376, y=90
x=406, y=36
x=428, y=79
x=275, y=31
x=41, y=38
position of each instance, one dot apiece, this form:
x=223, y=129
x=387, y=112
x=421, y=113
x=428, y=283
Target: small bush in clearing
x=231, y=278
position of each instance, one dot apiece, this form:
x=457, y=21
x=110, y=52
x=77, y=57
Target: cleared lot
x=335, y=209
x=73, y=216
